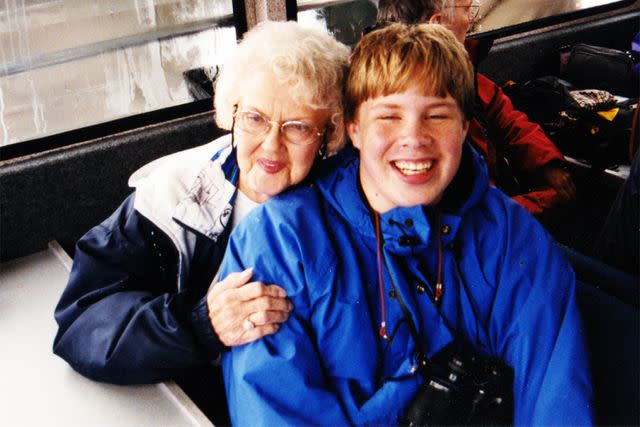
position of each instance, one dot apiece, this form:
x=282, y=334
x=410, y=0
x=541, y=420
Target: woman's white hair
x=309, y=60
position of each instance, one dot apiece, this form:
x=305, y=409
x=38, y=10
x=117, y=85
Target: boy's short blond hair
x=399, y=56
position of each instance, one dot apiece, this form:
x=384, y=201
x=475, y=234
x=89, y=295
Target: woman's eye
x=388, y=117
x=300, y=127
x=257, y=118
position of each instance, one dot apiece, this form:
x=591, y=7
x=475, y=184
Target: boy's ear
x=353, y=130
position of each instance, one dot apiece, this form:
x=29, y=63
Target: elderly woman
x=140, y=306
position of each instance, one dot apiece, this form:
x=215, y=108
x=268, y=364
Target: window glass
x=69, y=64
x=496, y=14
x=347, y=19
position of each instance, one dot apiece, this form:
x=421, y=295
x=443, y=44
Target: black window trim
x=74, y=136
x=551, y=20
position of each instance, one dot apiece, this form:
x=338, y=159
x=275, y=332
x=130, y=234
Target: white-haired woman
x=140, y=305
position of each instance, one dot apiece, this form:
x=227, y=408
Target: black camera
x=462, y=388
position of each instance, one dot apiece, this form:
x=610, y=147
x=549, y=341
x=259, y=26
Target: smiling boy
x=401, y=251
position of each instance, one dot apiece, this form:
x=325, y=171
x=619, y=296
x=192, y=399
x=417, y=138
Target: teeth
x=413, y=168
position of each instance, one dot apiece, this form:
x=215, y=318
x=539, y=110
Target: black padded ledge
x=535, y=55
x=62, y=193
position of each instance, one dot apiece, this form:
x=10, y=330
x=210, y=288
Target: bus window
x=69, y=64
x=347, y=19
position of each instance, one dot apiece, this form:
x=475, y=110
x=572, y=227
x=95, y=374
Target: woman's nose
x=273, y=138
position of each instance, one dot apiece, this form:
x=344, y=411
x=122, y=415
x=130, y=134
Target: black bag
x=595, y=67
x=577, y=131
x=541, y=98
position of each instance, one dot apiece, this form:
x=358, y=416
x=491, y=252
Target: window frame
x=32, y=146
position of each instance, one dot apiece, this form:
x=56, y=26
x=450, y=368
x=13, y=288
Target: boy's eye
x=437, y=116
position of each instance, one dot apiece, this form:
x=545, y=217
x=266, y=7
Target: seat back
x=613, y=335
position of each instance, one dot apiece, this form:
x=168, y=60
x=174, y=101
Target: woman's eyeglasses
x=294, y=131
x=472, y=9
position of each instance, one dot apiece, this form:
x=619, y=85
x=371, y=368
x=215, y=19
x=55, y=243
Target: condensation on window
x=344, y=19
x=69, y=64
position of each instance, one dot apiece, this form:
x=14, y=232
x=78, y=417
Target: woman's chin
x=265, y=192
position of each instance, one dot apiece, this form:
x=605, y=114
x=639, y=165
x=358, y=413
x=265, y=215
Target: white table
x=38, y=388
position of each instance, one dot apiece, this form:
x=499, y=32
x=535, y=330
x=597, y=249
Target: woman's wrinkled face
x=269, y=163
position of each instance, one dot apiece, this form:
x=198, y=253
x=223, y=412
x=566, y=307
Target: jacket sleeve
x=277, y=380
x=536, y=324
x=525, y=144
x=538, y=201
x=121, y=319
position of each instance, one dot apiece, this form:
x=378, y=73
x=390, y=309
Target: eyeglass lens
x=295, y=132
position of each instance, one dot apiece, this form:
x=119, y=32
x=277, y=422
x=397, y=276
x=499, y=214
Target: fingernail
x=248, y=271
x=290, y=306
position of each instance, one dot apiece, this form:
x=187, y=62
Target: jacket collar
x=207, y=207
x=407, y=229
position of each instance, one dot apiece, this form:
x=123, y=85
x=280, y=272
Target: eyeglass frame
x=473, y=6
x=315, y=129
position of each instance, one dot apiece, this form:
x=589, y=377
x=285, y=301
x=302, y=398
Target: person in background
x=400, y=253
x=141, y=305
x=522, y=161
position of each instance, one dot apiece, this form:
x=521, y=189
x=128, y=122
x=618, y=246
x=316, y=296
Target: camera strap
x=421, y=357
x=471, y=393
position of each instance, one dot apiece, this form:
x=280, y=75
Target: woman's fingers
x=266, y=303
x=255, y=290
x=235, y=300
x=260, y=318
x=263, y=324
x=257, y=333
x=235, y=280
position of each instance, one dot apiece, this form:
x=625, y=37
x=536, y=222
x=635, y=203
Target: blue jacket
x=134, y=310
x=508, y=290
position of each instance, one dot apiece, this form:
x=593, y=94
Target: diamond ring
x=248, y=325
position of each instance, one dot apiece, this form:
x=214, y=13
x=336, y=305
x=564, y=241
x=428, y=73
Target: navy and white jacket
x=508, y=290
x=134, y=310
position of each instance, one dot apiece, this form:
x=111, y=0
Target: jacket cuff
x=204, y=331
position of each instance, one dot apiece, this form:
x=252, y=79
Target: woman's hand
x=235, y=300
